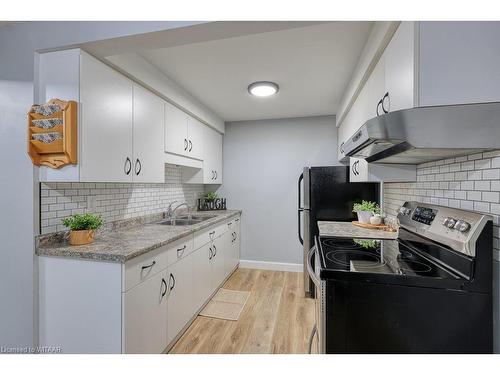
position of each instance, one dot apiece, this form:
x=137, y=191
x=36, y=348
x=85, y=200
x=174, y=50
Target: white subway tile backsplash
x=468, y=182
x=115, y=201
x=490, y=196
x=491, y=174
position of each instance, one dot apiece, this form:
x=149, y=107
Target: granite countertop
x=347, y=229
x=121, y=243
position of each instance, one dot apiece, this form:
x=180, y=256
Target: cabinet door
x=212, y=160
x=400, y=68
x=145, y=316
x=176, y=141
x=195, y=138
x=148, y=115
x=358, y=170
x=106, y=116
x=237, y=241
x=220, y=246
x=179, y=296
x=202, y=271
x=370, y=95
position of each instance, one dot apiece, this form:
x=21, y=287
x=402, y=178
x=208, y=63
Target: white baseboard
x=271, y=266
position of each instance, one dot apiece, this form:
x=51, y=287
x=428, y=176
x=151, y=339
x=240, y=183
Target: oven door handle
x=310, y=269
x=314, y=331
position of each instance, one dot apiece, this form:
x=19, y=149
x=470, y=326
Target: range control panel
x=423, y=215
x=455, y=228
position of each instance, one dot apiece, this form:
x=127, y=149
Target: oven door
x=317, y=335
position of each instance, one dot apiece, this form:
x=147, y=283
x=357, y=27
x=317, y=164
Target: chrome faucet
x=171, y=211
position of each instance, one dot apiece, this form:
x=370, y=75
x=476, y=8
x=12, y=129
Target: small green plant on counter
x=366, y=206
x=210, y=196
x=83, y=222
x=367, y=244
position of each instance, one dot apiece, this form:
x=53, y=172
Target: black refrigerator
x=325, y=194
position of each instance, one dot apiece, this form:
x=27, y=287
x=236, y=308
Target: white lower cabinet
x=141, y=306
x=219, y=251
x=145, y=316
x=179, y=296
x=202, y=275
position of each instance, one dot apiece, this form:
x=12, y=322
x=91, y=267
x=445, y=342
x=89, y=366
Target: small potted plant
x=365, y=210
x=210, y=196
x=82, y=228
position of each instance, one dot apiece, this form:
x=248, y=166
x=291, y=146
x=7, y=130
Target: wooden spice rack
x=61, y=151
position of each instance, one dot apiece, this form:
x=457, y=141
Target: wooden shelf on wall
x=58, y=152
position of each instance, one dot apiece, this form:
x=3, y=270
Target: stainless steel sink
x=186, y=220
x=179, y=222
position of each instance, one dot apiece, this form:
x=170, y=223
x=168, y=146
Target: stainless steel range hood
x=419, y=135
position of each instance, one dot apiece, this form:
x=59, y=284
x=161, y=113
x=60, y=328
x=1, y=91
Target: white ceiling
x=311, y=64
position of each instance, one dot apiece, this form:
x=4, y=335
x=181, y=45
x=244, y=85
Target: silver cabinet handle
x=190, y=145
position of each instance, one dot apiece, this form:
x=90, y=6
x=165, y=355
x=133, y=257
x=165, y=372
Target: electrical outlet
x=91, y=203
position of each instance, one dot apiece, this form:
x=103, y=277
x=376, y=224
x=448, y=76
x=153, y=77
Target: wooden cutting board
x=371, y=226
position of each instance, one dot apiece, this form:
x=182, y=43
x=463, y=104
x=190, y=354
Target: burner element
x=345, y=257
x=412, y=266
x=340, y=245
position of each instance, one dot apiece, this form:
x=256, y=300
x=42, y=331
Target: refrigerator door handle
x=299, y=226
x=301, y=178
x=300, y=209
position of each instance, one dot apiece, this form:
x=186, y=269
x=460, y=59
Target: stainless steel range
x=429, y=291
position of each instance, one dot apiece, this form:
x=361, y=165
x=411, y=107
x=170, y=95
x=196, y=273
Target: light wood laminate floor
x=277, y=318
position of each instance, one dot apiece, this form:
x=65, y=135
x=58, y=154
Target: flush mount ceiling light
x=263, y=88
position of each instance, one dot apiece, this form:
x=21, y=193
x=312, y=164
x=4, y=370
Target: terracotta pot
x=81, y=237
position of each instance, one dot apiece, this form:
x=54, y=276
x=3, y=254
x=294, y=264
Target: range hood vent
x=419, y=135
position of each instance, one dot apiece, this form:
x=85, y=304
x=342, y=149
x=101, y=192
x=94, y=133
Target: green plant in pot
x=82, y=228
x=365, y=210
x=210, y=196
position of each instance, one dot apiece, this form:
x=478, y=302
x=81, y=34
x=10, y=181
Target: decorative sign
x=212, y=205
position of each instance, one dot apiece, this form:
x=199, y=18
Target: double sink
x=186, y=220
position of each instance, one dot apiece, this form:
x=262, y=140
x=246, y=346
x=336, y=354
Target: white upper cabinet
x=428, y=64
x=212, y=162
x=107, y=125
x=211, y=173
x=126, y=133
x=176, y=141
x=399, y=64
x=362, y=171
x=183, y=133
x=195, y=137
x=148, y=122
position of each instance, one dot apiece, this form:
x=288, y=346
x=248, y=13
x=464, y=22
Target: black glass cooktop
x=389, y=257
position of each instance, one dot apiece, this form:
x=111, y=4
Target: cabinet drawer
x=179, y=249
x=143, y=267
x=205, y=236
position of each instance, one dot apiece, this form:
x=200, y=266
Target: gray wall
x=18, y=44
x=262, y=162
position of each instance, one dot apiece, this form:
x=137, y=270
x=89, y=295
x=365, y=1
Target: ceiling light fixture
x=263, y=88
